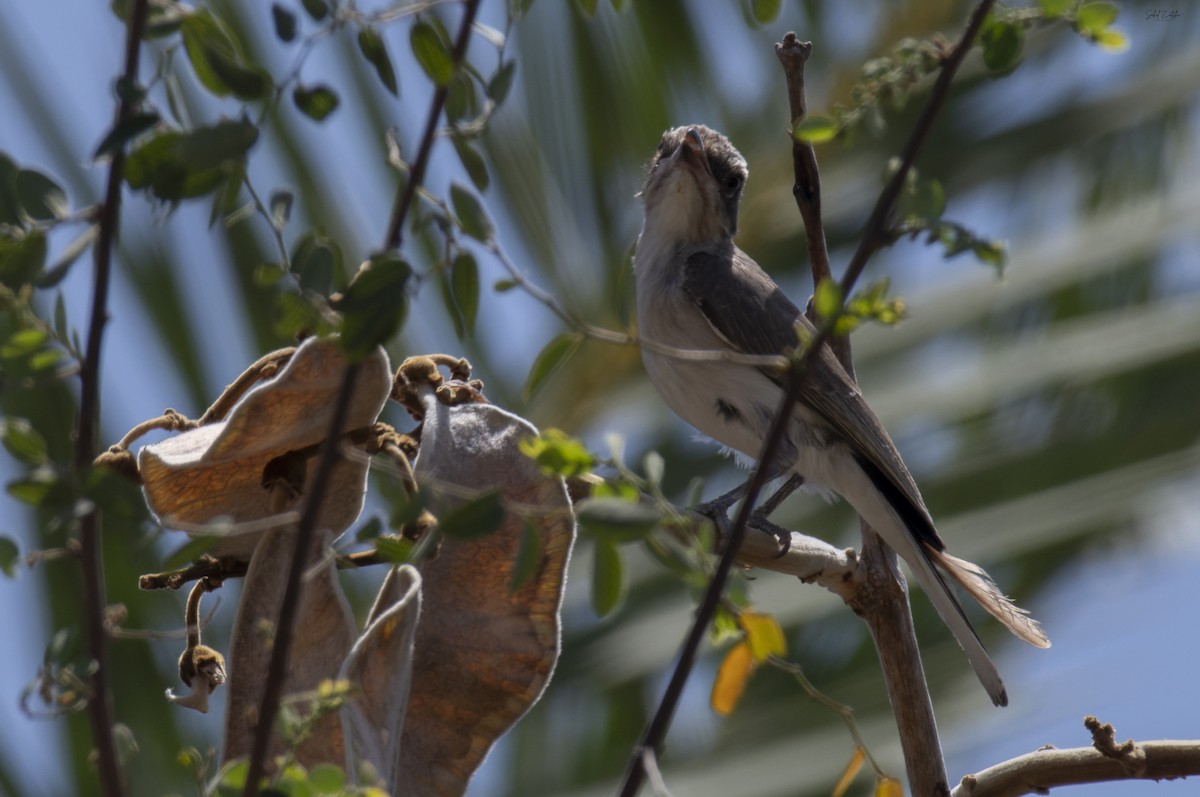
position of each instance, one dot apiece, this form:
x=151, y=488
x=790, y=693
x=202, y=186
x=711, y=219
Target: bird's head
x=693, y=186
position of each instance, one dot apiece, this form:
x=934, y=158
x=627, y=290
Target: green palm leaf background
x=1051, y=415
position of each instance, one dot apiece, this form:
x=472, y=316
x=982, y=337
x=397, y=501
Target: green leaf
x=316, y=102
x=407, y=509
x=175, y=165
x=473, y=162
x=40, y=197
x=22, y=258
x=23, y=342
x=1112, y=40
x=375, y=304
x=500, y=83
x=162, y=19
x=1055, y=8
x=816, y=130
x=529, y=556
x=470, y=213
x=588, y=7
x=929, y=201
x=280, y=205
x=125, y=131
x=43, y=486
x=504, y=285
x=607, y=581
x=315, y=261
x=60, y=318
x=317, y=9
x=615, y=519
x=285, y=22
x=461, y=102
x=218, y=61
x=828, y=299
x=1095, y=17
x=765, y=11
x=432, y=53
x=394, y=549
x=10, y=556
x=549, y=359
x=327, y=778
x=1002, y=43
x=23, y=441
x=474, y=519
x=558, y=454
x=369, y=530
x=9, y=204
x=371, y=45
x=464, y=283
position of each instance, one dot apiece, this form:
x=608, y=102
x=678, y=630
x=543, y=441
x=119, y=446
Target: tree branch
x=880, y=596
x=1042, y=770
x=277, y=668
x=100, y=705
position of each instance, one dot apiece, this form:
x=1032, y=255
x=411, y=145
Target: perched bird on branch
x=697, y=291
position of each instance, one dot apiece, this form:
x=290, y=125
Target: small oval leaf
x=607, y=580
x=41, y=198
x=10, y=556
x=615, y=519
x=765, y=11
x=1001, y=42
x=285, y=22
x=474, y=519
x=549, y=359
x=470, y=213
x=473, y=162
x=315, y=102
x=731, y=679
x=23, y=441
x=501, y=82
x=816, y=130
x=464, y=283
x=371, y=45
x=431, y=53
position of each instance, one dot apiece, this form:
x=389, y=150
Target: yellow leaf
x=888, y=787
x=849, y=773
x=1112, y=40
x=731, y=678
x=764, y=635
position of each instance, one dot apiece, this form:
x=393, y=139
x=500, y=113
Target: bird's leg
x=764, y=510
x=768, y=507
x=719, y=506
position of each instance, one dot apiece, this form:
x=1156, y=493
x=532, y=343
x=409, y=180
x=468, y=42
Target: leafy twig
x=100, y=709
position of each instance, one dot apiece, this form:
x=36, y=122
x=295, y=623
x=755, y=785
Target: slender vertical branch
x=882, y=600
x=100, y=705
x=416, y=177
x=277, y=667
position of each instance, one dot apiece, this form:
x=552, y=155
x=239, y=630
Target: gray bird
x=697, y=291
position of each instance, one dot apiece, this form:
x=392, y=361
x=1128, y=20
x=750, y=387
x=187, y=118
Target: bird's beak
x=691, y=152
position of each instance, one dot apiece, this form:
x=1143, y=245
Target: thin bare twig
x=330, y=450
x=100, y=706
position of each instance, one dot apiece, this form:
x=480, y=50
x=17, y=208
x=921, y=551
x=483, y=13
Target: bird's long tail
x=979, y=584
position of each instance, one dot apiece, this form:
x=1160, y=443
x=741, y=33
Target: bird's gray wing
x=745, y=306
